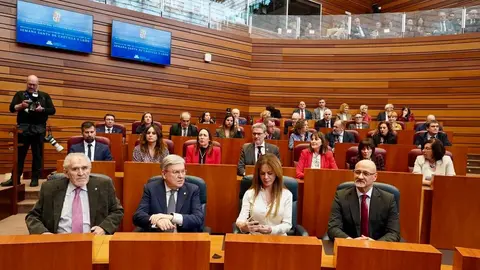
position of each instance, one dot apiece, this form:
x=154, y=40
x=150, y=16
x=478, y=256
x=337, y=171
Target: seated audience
x=184, y=128
x=290, y=125
x=302, y=111
x=430, y=118
x=251, y=152
x=409, y=28
x=94, y=151
x=203, y=152
x=151, y=147
x=358, y=31
x=420, y=30
x=358, y=123
x=407, y=115
x=109, y=128
x=275, y=113
x=432, y=132
x=238, y=120
x=206, y=118
x=443, y=26
x=320, y=110
x=392, y=118
x=228, y=129
x=383, y=116
x=272, y=134
x=364, y=112
x=384, y=134
x=170, y=204
x=316, y=156
x=263, y=116
x=86, y=203
x=366, y=151
x=472, y=23
x=378, y=31
x=364, y=212
x=267, y=205
x=326, y=122
x=343, y=113
x=300, y=133
x=145, y=122
x=339, y=135
x=433, y=161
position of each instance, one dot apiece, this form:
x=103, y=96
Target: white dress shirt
x=316, y=161
x=369, y=196
x=107, y=129
x=442, y=167
x=257, y=208
x=256, y=150
x=65, y=223
x=85, y=146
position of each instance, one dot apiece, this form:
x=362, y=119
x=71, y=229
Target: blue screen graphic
x=139, y=43
x=53, y=27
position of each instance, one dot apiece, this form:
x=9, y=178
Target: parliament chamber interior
x=134, y=78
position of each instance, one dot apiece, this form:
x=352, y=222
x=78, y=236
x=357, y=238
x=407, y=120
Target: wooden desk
x=341, y=152
x=116, y=147
x=231, y=149
x=368, y=255
x=466, y=259
x=132, y=140
x=272, y=252
x=178, y=144
x=141, y=250
x=53, y=251
x=455, y=212
x=286, y=156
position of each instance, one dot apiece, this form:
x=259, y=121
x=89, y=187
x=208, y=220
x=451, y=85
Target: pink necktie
x=77, y=213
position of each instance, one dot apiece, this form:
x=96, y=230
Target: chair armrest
x=300, y=231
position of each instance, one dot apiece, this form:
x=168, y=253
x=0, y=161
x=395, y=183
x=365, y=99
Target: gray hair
x=363, y=107
x=171, y=160
x=185, y=114
x=68, y=160
x=388, y=105
x=260, y=125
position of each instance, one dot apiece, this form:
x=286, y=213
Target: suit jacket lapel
x=93, y=193
x=58, y=199
x=354, y=208
x=373, y=211
x=251, y=154
x=162, y=197
x=181, y=197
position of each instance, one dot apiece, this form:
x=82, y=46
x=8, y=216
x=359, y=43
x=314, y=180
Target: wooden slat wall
x=414, y=5
x=335, y=7
x=436, y=75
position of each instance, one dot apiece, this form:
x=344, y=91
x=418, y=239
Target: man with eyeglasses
x=184, y=128
x=251, y=152
x=170, y=204
x=364, y=212
x=433, y=131
x=358, y=123
x=339, y=135
x=272, y=133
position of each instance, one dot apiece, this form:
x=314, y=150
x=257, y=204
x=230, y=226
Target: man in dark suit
x=272, y=132
x=95, y=151
x=443, y=26
x=170, y=204
x=76, y=203
x=252, y=151
x=184, y=128
x=472, y=23
x=423, y=126
x=339, y=135
x=364, y=212
x=383, y=116
x=236, y=114
x=358, y=123
x=303, y=112
x=432, y=132
x=109, y=128
x=275, y=113
x=358, y=31
x=291, y=124
x=326, y=122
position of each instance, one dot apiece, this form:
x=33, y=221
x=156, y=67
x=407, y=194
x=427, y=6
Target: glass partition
x=434, y=22
x=472, y=20
x=376, y=26
x=268, y=26
x=310, y=27
x=189, y=11
x=229, y=16
x=334, y=27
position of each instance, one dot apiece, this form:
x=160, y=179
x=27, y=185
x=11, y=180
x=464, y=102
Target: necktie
x=171, y=202
x=328, y=124
x=109, y=130
x=77, y=213
x=89, y=153
x=259, y=154
x=444, y=26
x=364, y=216
x=359, y=126
x=184, y=132
x=301, y=114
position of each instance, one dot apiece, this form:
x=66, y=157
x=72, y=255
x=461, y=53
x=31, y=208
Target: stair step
x=25, y=206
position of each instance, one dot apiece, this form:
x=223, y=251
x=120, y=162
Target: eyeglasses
x=257, y=134
x=178, y=173
x=358, y=117
x=365, y=173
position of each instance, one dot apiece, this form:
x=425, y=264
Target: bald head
x=365, y=175
x=430, y=117
x=367, y=164
x=32, y=83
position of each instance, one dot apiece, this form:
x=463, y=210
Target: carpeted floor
x=13, y=225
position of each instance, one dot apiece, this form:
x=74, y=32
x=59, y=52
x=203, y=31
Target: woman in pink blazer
x=203, y=152
x=317, y=156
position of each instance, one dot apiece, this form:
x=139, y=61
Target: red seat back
x=120, y=126
x=78, y=139
x=136, y=124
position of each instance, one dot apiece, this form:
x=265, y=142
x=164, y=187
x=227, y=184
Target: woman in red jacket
x=203, y=152
x=317, y=156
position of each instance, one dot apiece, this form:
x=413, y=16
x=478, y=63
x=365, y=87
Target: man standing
x=320, y=110
x=358, y=123
x=184, y=128
x=33, y=108
x=326, y=122
x=253, y=151
x=76, y=203
x=109, y=128
x=303, y=112
x=339, y=135
x=93, y=150
x=364, y=212
x=433, y=128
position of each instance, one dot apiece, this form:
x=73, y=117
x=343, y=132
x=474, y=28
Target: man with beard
x=94, y=151
x=339, y=135
x=364, y=212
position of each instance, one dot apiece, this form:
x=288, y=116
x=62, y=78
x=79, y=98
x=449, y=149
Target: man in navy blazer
x=303, y=112
x=170, y=204
x=109, y=128
x=94, y=150
x=339, y=135
x=432, y=132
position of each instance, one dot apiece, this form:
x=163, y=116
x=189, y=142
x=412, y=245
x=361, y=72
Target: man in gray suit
x=252, y=151
x=77, y=203
x=443, y=26
x=364, y=212
x=358, y=123
x=273, y=133
x=320, y=110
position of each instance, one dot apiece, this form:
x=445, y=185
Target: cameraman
x=33, y=108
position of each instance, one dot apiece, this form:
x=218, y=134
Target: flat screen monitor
x=140, y=43
x=53, y=27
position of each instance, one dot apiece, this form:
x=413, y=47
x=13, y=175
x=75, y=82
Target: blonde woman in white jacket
x=433, y=161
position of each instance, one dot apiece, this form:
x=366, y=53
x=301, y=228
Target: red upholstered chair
x=414, y=153
x=355, y=134
x=418, y=124
x=242, y=120
x=78, y=139
x=370, y=133
x=120, y=126
x=277, y=122
x=297, y=150
x=168, y=142
x=194, y=141
x=418, y=133
x=137, y=123
x=401, y=124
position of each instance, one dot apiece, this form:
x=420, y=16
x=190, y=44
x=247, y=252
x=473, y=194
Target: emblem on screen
x=57, y=16
x=143, y=33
